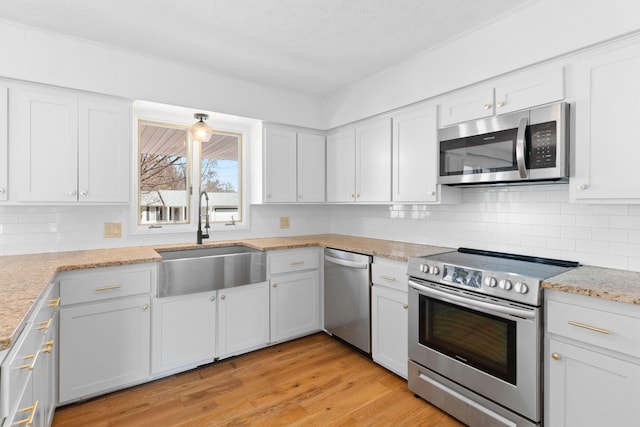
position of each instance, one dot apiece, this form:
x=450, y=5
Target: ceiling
x=307, y=46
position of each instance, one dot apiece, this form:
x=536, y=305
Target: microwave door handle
x=520, y=160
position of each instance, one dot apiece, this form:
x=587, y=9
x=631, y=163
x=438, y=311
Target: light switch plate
x=284, y=222
x=112, y=229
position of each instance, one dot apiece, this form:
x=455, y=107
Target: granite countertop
x=606, y=283
x=23, y=278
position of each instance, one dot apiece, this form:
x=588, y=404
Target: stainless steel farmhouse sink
x=206, y=269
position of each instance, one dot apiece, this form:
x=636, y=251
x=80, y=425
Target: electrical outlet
x=284, y=222
x=112, y=229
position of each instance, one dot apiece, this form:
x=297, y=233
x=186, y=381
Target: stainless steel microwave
x=525, y=146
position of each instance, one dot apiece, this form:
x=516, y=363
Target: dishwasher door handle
x=346, y=263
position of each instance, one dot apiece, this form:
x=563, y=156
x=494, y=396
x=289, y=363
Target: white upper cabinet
x=311, y=168
x=341, y=166
x=69, y=147
x=415, y=158
x=280, y=165
x=606, y=108
x=520, y=91
x=359, y=163
x=373, y=161
x=293, y=166
x=4, y=128
x=103, y=150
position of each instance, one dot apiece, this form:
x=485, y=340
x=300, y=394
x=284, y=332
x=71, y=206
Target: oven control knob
x=490, y=282
x=434, y=270
x=505, y=284
x=521, y=288
x=424, y=268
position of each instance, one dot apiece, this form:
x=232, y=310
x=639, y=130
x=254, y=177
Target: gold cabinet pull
x=44, y=325
x=145, y=307
x=555, y=356
x=275, y=285
x=405, y=306
x=389, y=278
x=29, y=420
x=29, y=366
x=591, y=328
x=297, y=263
x=108, y=288
x=53, y=302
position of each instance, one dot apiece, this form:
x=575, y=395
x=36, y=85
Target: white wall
x=530, y=220
x=538, y=31
x=36, y=55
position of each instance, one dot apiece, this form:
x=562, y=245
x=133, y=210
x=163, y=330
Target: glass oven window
x=493, y=152
x=478, y=339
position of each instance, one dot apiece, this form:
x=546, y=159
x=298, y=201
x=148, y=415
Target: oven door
x=489, y=346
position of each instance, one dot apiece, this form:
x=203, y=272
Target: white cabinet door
x=389, y=331
x=415, y=156
x=27, y=411
x=46, y=376
x=183, y=331
x=466, y=105
x=280, y=166
x=103, y=346
x=607, y=110
x=4, y=137
x=341, y=163
x=528, y=89
x=373, y=161
x=295, y=305
x=45, y=135
x=311, y=168
x=103, y=151
x=243, y=319
x=589, y=389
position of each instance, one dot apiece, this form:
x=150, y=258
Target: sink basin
x=207, y=269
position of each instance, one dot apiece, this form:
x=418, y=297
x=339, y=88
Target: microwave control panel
x=542, y=146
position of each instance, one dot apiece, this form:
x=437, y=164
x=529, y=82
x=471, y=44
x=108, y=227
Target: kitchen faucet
x=200, y=235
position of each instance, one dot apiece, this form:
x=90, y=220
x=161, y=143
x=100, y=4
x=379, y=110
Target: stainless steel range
x=475, y=334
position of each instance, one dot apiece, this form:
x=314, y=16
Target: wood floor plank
x=312, y=381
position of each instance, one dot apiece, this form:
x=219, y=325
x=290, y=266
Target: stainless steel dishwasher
x=347, y=297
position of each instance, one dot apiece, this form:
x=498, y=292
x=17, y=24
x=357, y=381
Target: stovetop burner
x=508, y=276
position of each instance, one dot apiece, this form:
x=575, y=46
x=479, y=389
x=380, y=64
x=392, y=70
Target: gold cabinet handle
x=34, y=358
x=29, y=420
x=486, y=106
x=108, y=288
x=223, y=297
x=405, y=306
x=213, y=298
x=145, y=307
x=555, y=356
x=297, y=263
x=53, y=302
x=44, y=325
x=275, y=285
x=389, y=278
x=591, y=328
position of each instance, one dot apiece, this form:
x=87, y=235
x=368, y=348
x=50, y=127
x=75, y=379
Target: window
x=163, y=174
x=221, y=176
x=173, y=170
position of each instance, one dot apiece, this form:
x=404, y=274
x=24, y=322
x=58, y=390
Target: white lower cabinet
x=389, y=315
x=105, y=329
x=294, y=275
x=295, y=306
x=184, y=331
x=592, y=362
x=28, y=376
x=243, y=319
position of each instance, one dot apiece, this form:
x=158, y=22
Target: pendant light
x=200, y=130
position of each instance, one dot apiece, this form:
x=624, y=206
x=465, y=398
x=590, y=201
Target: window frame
x=163, y=114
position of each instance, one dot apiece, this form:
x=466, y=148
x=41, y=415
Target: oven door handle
x=520, y=160
x=471, y=303
x=346, y=263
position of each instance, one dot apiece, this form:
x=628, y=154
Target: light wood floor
x=312, y=381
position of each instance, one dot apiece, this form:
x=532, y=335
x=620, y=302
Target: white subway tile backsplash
x=530, y=220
